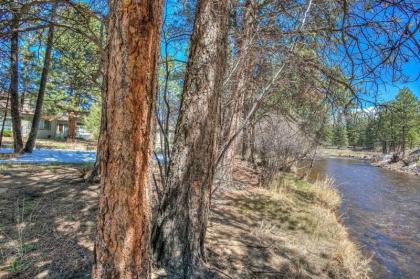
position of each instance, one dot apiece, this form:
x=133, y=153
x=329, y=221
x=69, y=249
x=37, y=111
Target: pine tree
x=340, y=136
x=406, y=110
x=123, y=222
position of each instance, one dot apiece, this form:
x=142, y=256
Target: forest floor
x=289, y=230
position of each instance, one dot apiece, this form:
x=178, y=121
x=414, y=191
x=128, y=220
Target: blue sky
x=413, y=71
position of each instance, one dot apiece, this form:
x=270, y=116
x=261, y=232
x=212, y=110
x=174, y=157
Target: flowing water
x=381, y=209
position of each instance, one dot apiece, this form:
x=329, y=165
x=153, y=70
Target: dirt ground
x=47, y=228
x=47, y=222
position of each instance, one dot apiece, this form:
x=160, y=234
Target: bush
x=280, y=151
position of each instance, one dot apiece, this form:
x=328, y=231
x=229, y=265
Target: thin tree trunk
x=72, y=125
x=248, y=133
x=4, y=119
x=95, y=174
x=244, y=145
x=403, y=143
x=179, y=233
x=242, y=85
x=30, y=143
x=123, y=222
x=14, y=85
x=24, y=89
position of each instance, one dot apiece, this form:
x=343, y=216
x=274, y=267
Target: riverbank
x=376, y=159
x=380, y=209
x=399, y=167
x=347, y=153
x=289, y=230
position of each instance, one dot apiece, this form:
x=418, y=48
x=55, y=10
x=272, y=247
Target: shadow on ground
x=47, y=226
x=247, y=238
x=47, y=222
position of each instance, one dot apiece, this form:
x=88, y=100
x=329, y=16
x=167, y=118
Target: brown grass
x=326, y=195
x=325, y=201
x=289, y=230
x=347, y=153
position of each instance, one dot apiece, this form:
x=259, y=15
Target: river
x=381, y=209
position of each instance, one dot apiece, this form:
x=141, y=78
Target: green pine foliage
x=340, y=136
x=92, y=121
x=394, y=126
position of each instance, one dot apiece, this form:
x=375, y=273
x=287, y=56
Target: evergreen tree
x=327, y=134
x=406, y=110
x=369, y=134
x=340, y=136
x=92, y=121
x=74, y=83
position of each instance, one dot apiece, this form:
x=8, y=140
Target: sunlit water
x=381, y=208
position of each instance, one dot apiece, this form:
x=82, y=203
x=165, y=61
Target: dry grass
x=326, y=195
x=325, y=201
x=289, y=230
x=347, y=153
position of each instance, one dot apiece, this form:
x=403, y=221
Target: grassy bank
x=289, y=230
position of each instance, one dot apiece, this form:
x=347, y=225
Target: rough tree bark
x=123, y=230
x=245, y=41
x=14, y=85
x=30, y=143
x=179, y=233
x=72, y=125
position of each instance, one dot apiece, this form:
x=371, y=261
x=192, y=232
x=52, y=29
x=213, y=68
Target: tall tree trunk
x=179, y=233
x=4, y=119
x=245, y=40
x=30, y=143
x=95, y=174
x=14, y=86
x=251, y=142
x=248, y=133
x=123, y=222
x=403, y=141
x=72, y=125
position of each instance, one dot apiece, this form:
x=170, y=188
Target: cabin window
x=45, y=125
x=61, y=128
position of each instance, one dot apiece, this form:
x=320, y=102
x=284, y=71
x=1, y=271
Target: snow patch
x=47, y=156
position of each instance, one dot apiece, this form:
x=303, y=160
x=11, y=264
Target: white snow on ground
x=47, y=156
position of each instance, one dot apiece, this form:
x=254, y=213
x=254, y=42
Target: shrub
x=7, y=133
